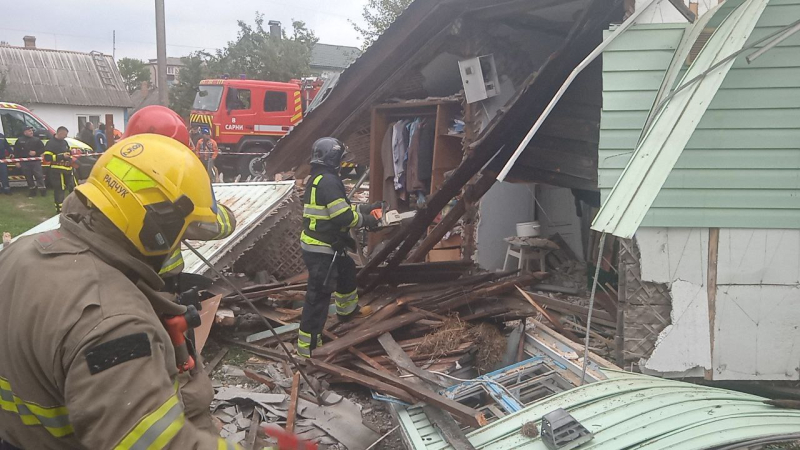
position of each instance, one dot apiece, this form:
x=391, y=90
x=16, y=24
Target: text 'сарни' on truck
x=14, y=118
x=247, y=117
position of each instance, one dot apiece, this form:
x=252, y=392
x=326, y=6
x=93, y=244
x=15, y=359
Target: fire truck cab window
x=238, y=99
x=13, y=123
x=275, y=101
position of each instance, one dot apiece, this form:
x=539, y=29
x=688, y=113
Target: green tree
x=260, y=56
x=182, y=93
x=3, y=84
x=254, y=53
x=134, y=72
x=378, y=15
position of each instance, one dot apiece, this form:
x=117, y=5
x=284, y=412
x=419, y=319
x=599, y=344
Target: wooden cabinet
x=447, y=148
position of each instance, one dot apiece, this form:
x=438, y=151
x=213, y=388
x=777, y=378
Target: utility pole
x=114, y=45
x=161, y=54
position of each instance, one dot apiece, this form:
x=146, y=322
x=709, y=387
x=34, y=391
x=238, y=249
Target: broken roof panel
x=251, y=203
x=638, y=411
x=657, y=153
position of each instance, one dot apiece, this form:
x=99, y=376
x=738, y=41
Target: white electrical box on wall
x=479, y=76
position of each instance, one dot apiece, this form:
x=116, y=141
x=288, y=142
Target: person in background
x=87, y=135
x=100, y=142
x=194, y=136
x=207, y=150
x=30, y=146
x=5, y=152
x=57, y=153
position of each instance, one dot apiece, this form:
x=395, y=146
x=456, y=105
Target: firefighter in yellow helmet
x=85, y=361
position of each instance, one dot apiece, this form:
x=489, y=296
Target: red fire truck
x=247, y=117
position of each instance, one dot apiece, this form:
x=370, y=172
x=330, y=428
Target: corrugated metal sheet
x=251, y=203
x=634, y=411
x=740, y=166
x=333, y=56
x=60, y=78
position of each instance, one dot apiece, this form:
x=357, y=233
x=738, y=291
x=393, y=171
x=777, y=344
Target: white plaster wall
x=500, y=210
x=58, y=115
x=678, y=257
x=757, y=308
x=557, y=215
x=758, y=305
x=664, y=12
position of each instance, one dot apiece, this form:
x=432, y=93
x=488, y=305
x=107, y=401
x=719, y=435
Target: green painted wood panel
x=717, y=159
x=741, y=168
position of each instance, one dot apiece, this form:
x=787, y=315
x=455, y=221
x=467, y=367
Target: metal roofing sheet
x=60, y=78
x=250, y=204
x=657, y=153
x=638, y=411
x=334, y=56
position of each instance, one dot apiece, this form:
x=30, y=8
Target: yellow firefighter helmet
x=152, y=188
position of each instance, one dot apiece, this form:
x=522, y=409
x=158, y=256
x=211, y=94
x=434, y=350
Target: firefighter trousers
x=341, y=283
x=63, y=183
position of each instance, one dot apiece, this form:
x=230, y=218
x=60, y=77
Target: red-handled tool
x=176, y=327
x=288, y=441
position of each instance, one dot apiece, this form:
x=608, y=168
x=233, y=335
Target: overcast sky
x=191, y=25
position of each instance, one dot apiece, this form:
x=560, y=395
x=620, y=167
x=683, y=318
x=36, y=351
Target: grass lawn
x=18, y=213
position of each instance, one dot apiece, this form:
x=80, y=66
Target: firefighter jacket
x=327, y=214
x=85, y=362
x=26, y=144
x=57, y=153
x=226, y=224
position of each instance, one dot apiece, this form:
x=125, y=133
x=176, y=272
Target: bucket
x=528, y=229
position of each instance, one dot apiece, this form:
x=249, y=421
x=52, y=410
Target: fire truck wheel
x=252, y=166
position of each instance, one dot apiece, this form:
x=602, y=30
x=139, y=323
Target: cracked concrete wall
x=757, y=309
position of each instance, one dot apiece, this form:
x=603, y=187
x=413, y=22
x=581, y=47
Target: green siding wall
x=741, y=168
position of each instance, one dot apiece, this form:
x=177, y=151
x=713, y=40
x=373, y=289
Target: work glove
x=366, y=208
x=370, y=222
x=64, y=156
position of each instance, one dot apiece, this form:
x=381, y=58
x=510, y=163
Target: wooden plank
x=401, y=359
x=599, y=317
x=370, y=331
x=357, y=353
x=363, y=380
x=216, y=360
x=292, y=413
x=450, y=430
x=255, y=376
x=252, y=434
x=276, y=355
x=550, y=318
x=713, y=256
x=488, y=291
x=268, y=334
x=462, y=413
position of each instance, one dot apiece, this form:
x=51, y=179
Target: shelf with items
x=437, y=153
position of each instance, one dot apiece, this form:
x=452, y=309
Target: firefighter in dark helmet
x=327, y=218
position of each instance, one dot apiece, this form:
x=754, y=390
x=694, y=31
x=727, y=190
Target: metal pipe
x=358, y=184
x=161, y=54
x=238, y=291
x=591, y=306
x=785, y=35
x=586, y=61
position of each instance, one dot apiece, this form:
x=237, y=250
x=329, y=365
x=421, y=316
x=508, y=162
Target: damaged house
x=698, y=164
x=722, y=173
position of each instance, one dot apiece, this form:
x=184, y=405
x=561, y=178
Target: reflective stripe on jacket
x=84, y=359
x=327, y=214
